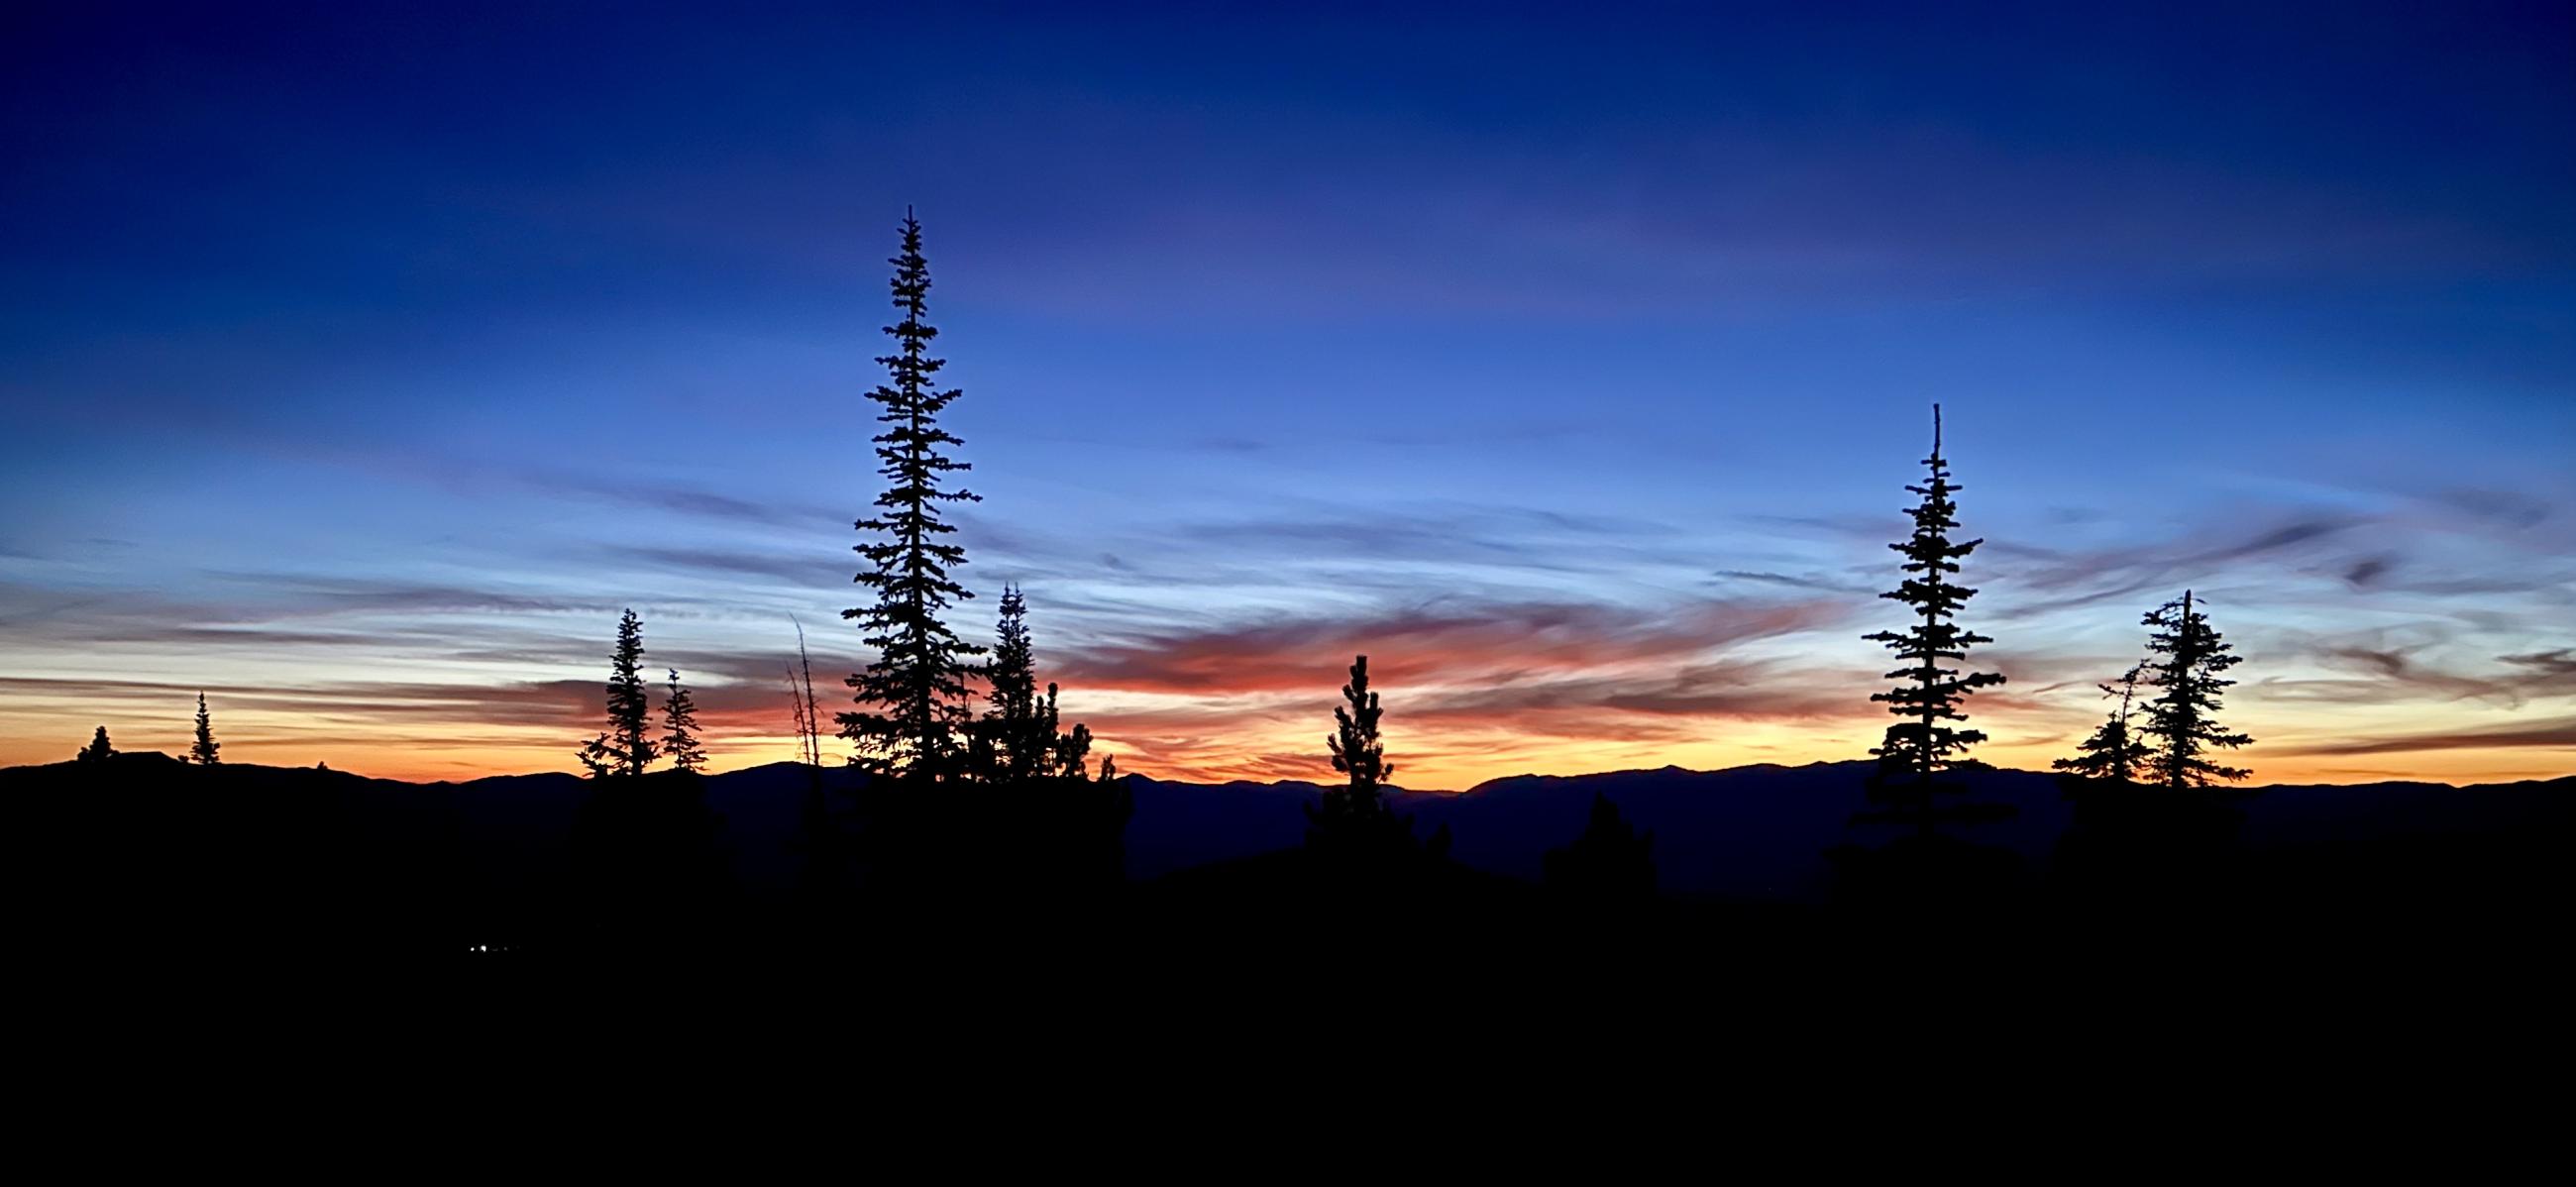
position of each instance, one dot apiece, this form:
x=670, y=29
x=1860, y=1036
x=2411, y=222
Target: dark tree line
x=911, y=720
x=912, y=723
x=646, y=846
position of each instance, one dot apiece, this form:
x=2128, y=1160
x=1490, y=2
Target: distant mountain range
x=1760, y=832
x=1754, y=833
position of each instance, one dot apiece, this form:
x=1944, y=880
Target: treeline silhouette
x=949, y=822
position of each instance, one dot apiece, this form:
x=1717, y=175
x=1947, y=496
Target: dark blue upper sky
x=1273, y=317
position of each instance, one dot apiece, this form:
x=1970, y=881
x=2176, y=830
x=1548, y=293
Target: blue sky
x=362, y=364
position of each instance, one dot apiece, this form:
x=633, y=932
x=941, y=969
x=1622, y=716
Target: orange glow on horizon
x=1445, y=758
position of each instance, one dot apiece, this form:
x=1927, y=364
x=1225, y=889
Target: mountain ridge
x=772, y=769
x=1759, y=831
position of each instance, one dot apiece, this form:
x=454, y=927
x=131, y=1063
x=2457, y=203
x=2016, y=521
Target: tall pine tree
x=623, y=749
x=203, y=753
x=680, y=728
x=2189, y=657
x=98, y=749
x=912, y=697
x=1920, y=746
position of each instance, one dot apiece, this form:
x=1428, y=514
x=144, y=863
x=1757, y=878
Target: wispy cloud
x=2551, y=733
x=2035, y=582
x=1448, y=642
x=2395, y=675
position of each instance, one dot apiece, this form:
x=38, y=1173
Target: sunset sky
x=1570, y=361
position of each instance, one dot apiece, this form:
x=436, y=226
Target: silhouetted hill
x=250, y=851
x=1759, y=832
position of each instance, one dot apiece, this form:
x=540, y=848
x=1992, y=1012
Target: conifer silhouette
x=1918, y=749
x=98, y=750
x=1109, y=768
x=2189, y=655
x=623, y=749
x=1357, y=812
x=1612, y=860
x=1357, y=749
x=2112, y=751
x=1073, y=750
x=1049, y=728
x=912, y=695
x=1019, y=728
x=203, y=752
x=680, y=728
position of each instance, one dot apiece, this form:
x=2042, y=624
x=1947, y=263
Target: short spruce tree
x=1019, y=729
x=2111, y=753
x=1356, y=815
x=2189, y=657
x=204, y=751
x=680, y=728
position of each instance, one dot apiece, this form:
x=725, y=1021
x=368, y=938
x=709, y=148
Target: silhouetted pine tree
x=98, y=750
x=680, y=728
x=1019, y=731
x=1073, y=750
x=913, y=694
x=203, y=753
x=1357, y=749
x=2111, y=753
x=1612, y=860
x=1109, y=768
x=1921, y=747
x=2190, y=656
x=1357, y=813
x=623, y=749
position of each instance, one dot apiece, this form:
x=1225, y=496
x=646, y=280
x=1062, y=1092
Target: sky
x=360, y=363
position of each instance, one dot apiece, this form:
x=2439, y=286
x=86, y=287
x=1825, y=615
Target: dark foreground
x=142, y=856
